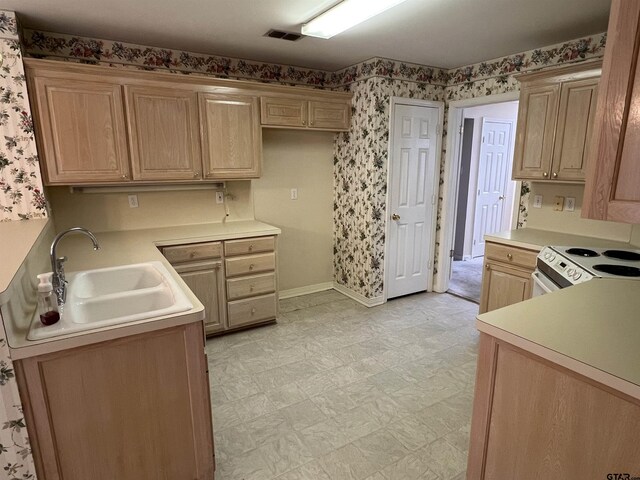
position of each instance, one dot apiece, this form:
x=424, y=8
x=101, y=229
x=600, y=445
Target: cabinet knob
x=311, y=123
x=555, y=175
x=545, y=174
x=509, y=256
x=125, y=176
x=192, y=255
x=196, y=174
x=250, y=247
x=253, y=310
x=252, y=266
x=304, y=122
x=486, y=266
x=251, y=288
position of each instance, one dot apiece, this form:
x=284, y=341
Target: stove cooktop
x=602, y=262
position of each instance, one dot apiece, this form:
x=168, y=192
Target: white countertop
x=534, y=239
x=592, y=328
x=127, y=247
x=16, y=240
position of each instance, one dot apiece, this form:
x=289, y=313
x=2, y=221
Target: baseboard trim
x=367, y=302
x=296, y=292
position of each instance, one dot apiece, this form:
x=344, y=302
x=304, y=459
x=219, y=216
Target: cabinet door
x=502, y=286
x=537, y=116
x=284, y=112
x=131, y=409
x=82, y=130
x=207, y=283
x=575, y=126
x=231, y=136
x=163, y=125
x=329, y=115
x=613, y=176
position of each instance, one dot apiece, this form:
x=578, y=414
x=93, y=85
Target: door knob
x=501, y=197
x=395, y=216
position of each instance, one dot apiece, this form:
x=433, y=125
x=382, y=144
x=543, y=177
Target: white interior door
x=494, y=175
x=411, y=198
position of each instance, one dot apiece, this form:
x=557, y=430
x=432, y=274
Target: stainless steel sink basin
x=115, y=295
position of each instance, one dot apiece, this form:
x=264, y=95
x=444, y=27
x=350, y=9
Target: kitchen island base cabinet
x=128, y=409
x=533, y=419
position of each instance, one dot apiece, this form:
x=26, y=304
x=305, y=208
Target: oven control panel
x=560, y=269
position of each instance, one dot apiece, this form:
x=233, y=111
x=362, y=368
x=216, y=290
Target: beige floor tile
x=412, y=432
x=254, y=406
x=285, y=453
x=334, y=402
x=347, y=463
x=286, y=395
x=381, y=448
x=302, y=415
x=444, y=459
x=323, y=437
x=310, y=471
x=332, y=372
x=410, y=467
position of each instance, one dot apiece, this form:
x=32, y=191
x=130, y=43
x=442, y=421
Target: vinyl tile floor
x=338, y=391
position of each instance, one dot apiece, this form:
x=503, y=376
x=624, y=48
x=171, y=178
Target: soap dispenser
x=47, y=300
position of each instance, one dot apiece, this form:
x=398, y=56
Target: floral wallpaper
x=21, y=190
x=360, y=155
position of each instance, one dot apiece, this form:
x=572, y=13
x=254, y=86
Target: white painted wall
x=506, y=110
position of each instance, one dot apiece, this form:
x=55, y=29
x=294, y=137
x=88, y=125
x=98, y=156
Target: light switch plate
x=133, y=201
x=537, y=201
x=558, y=204
x=570, y=204
x=219, y=197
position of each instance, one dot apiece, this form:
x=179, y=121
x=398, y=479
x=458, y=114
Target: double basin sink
x=115, y=295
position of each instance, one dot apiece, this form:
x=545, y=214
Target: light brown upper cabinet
x=81, y=128
x=163, y=130
x=314, y=114
x=99, y=125
x=613, y=178
x=231, y=135
x=555, y=122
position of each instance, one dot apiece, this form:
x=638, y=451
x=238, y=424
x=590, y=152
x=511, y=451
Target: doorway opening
x=486, y=198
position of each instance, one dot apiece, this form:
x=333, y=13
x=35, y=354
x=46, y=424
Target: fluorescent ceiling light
x=345, y=15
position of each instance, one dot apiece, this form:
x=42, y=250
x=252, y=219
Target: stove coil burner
x=620, y=270
x=582, y=252
x=622, y=255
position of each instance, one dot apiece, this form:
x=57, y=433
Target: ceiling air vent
x=292, y=37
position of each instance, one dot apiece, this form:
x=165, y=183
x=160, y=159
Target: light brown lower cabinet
x=533, y=419
x=127, y=409
x=506, y=277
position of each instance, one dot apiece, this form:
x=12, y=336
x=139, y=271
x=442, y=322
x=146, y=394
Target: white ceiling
x=444, y=33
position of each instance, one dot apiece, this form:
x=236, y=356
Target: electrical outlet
x=558, y=205
x=219, y=197
x=133, y=201
x=537, y=201
x=570, y=204
x=294, y=194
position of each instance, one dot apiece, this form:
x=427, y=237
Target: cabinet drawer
x=249, y=245
x=251, y=310
x=511, y=255
x=250, y=286
x=195, y=251
x=250, y=264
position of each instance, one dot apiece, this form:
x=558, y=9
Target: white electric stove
x=561, y=267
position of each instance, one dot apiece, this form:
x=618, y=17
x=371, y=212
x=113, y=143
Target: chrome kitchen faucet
x=57, y=263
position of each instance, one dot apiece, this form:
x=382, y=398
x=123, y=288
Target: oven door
x=542, y=284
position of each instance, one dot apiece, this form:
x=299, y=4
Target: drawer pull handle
x=192, y=254
x=252, y=266
x=509, y=256
x=250, y=247
x=251, y=288
x=253, y=310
